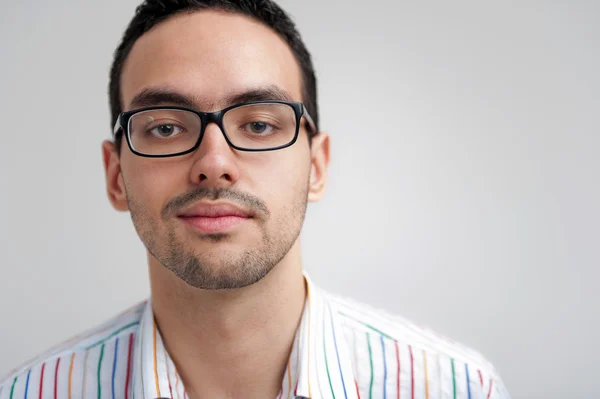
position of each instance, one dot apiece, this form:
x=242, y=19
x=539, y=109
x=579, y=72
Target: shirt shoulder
x=380, y=341
x=22, y=378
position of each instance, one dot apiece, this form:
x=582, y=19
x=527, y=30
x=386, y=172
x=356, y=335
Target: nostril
x=203, y=177
x=227, y=177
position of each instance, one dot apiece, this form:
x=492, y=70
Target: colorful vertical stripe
x=453, y=379
x=490, y=390
x=129, y=365
x=71, y=376
x=114, y=370
x=12, y=388
x=326, y=361
x=41, y=390
x=126, y=357
x=27, y=384
x=398, y=368
x=371, y=380
x=100, y=371
x=468, y=381
x=168, y=374
x=337, y=353
x=56, y=378
x=177, y=383
x=154, y=357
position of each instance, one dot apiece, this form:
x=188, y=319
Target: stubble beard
x=220, y=269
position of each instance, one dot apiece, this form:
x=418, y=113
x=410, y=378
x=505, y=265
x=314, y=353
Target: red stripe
x=480, y=377
x=490, y=391
x=169, y=379
x=412, y=373
x=398, y=364
x=56, y=379
x=296, y=389
x=128, y=365
x=357, y=391
x=42, y=379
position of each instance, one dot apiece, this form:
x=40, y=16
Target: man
x=216, y=152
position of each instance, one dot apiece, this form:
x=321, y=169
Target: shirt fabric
x=342, y=349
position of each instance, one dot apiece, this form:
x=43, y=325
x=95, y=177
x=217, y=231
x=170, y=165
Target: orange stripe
x=426, y=376
x=177, y=382
x=290, y=372
x=168, y=373
x=71, y=376
x=155, y=362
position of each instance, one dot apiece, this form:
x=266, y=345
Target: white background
x=464, y=186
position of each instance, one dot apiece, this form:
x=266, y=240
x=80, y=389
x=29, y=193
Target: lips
x=214, y=211
x=214, y=218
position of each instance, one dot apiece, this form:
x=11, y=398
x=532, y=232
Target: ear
x=115, y=187
x=319, y=165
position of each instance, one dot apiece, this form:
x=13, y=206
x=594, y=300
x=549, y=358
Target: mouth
x=214, y=218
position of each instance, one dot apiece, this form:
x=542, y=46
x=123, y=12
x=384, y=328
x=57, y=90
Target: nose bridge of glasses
x=215, y=119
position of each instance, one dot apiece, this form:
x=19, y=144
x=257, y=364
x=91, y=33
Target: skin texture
x=227, y=305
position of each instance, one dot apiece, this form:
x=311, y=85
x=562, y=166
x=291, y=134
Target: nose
x=215, y=162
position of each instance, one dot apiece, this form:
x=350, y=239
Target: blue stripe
x=337, y=352
x=468, y=382
x=384, y=367
x=27, y=383
x=115, y=366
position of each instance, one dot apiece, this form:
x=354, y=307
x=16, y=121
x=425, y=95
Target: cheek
x=150, y=183
x=282, y=182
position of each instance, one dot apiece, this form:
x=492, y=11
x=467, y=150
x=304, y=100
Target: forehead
x=207, y=56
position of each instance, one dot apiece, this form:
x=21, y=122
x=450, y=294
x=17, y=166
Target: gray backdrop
x=464, y=185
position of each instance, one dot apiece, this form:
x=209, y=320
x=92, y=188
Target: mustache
x=245, y=200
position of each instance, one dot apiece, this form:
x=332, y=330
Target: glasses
x=253, y=126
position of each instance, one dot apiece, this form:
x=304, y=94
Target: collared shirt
x=342, y=349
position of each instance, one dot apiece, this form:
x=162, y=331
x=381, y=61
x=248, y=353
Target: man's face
x=208, y=58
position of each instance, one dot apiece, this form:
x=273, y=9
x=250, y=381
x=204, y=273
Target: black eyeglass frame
x=122, y=124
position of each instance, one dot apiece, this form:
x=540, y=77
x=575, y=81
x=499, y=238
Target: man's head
x=217, y=217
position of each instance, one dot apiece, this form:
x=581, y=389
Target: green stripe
x=12, y=389
x=326, y=362
x=100, y=368
x=453, y=378
x=366, y=325
x=371, y=362
x=102, y=341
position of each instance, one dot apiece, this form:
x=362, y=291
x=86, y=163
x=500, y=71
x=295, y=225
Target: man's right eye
x=165, y=130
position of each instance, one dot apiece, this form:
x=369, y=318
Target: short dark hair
x=152, y=12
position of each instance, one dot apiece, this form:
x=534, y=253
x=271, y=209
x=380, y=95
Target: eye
x=258, y=127
x=165, y=131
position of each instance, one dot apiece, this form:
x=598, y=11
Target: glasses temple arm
x=117, y=126
x=310, y=120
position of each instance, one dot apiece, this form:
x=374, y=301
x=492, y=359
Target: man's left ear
x=319, y=165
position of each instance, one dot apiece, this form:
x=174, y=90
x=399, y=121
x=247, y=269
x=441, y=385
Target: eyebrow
x=163, y=96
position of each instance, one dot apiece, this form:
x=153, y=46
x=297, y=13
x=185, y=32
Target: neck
x=230, y=343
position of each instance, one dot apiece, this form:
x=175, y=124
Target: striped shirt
x=342, y=349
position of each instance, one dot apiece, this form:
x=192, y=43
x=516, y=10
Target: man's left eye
x=258, y=127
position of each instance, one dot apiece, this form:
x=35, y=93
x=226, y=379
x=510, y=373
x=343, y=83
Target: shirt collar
x=325, y=369
x=319, y=365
